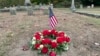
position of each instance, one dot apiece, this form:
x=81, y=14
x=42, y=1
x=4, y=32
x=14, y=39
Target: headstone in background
x=88, y=7
x=73, y=6
x=45, y=9
x=18, y=6
x=46, y=12
x=51, y=5
x=5, y=7
x=40, y=6
x=33, y=5
x=30, y=10
x=13, y=10
x=92, y=5
x=27, y=3
x=81, y=6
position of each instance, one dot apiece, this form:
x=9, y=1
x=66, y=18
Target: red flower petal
x=38, y=37
x=44, y=50
x=67, y=39
x=37, y=33
x=36, y=46
x=53, y=44
x=52, y=54
x=60, y=39
x=46, y=32
x=61, y=34
x=54, y=32
x=46, y=41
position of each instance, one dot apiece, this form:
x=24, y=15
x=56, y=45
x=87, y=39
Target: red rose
x=37, y=33
x=36, y=46
x=46, y=41
x=46, y=32
x=54, y=32
x=61, y=34
x=52, y=54
x=53, y=44
x=67, y=39
x=60, y=39
x=44, y=50
x=37, y=36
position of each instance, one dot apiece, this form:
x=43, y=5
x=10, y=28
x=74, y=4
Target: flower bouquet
x=50, y=42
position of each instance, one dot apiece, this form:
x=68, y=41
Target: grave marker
x=30, y=10
x=27, y=3
x=13, y=10
x=81, y=6
x=88, y=7
x=92, y=5
x=51, y=5
x=45, y=9
x=73, y=6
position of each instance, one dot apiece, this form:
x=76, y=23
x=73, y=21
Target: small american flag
x=53, y=20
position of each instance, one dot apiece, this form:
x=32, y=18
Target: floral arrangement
x=50, y=42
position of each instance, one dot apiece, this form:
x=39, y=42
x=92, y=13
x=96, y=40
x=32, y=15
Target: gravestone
x=30, y=10
x=51, y=5
x=88, y=7
x=81, y=6
x=73, y=6
x=5, y=7
x=40, y=6
x=46, y=12
x=13, y=10
x=27, y=3
x=92, y=5
x=45, y=9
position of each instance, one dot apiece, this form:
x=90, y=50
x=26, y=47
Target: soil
x=17, y=30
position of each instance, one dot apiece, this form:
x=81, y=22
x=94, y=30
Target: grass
x=95, y=21
x=90, y=19
x=6, y=42
x=90, y=10
x=14, y=32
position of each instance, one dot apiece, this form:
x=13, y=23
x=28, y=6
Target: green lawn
x=90, y=10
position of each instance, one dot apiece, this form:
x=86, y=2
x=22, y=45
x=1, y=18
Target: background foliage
x=57, y=3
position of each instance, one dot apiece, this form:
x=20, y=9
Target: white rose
x=49, y=30
x=33, y=42
x=33, y=38
x=65, y=35
x=41, y=36
x=40, y=33
x=54, y=41
x=41, y=46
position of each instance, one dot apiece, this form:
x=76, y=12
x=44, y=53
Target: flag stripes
x=53, y=20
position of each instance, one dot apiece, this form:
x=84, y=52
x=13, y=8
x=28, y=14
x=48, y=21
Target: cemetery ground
x=17, y=30
x=95, y=11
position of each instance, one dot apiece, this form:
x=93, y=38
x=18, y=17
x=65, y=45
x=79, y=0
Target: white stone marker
x=13, y=10
x=73, y=6
x=92, y=5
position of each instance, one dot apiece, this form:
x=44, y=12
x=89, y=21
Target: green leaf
x=31, y=45
x=66, y=47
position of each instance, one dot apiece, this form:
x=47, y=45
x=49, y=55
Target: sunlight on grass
x=95, y=21
x=90, y=10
